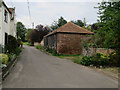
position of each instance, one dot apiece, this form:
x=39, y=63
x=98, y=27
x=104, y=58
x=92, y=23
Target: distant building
x=7, y=23
x=67, y=39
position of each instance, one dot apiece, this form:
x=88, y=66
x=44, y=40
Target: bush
x=100, y=60
x=114, y=59
x=3, y=59
x=27, y=43
x=96, y=60
x=87, y=61
x=39, y=47
x=11, y=45
x=52, y=51
x=18, y=50
x=11, y=56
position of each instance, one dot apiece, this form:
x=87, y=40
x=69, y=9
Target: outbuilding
x=67, y=39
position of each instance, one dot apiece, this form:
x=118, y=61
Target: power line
x=29, y=11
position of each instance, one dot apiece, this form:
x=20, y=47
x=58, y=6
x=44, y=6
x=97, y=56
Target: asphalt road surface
x=35, y=69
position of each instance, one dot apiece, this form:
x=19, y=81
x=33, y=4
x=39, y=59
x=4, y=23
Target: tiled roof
x=71, y=28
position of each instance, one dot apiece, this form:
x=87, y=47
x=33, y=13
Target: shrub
x=39, y=47
x=96, y=60
x=18, y=50
x=27, y=43
x=3, y=58
x=87, y=61
x=52, y=51
x=1, y=49
x=11, y=56
x=114, y=59
x=100, y=60
x=11, y=45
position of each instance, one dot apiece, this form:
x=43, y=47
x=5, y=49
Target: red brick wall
x=69, y=44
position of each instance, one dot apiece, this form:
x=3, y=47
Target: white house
x=7, y=22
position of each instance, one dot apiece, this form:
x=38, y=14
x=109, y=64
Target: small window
x=6, y=38
x=6, y=16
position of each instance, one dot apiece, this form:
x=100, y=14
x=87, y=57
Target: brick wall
x=69, y=44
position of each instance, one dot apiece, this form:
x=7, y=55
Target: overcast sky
x=47, y=11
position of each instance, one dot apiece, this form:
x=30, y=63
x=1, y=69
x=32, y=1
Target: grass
x=27, y=43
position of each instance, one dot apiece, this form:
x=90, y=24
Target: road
x=36, y=69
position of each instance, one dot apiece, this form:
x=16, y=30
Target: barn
x=67, y=39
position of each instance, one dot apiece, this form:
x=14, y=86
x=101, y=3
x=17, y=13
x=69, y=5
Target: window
x=6, y=38
x=6, y=16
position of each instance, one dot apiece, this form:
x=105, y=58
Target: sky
x=45, y=12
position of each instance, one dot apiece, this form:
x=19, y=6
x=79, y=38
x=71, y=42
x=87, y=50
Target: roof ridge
x=71, y=29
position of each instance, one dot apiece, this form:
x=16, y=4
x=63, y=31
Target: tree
x=61, y=21
x=21, y=31
x=28, y=34
x=54, y=25
x=109, y=13
x=78, y=22
x=38, y=34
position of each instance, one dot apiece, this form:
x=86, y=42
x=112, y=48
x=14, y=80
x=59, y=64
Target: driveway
x=35, y=69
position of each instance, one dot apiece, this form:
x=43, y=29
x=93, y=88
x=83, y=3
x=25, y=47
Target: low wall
x=92, y=51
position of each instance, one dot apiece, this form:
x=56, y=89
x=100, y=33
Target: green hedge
x=12, y=45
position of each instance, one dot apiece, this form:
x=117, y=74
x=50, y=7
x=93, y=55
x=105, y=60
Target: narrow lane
x=35, y=69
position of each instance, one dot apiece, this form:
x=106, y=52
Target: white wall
x=13, y=28
x=1, y=24
x=5, y=27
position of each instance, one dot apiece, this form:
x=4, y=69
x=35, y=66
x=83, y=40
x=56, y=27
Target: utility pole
x=33, y=25
x=84, y=22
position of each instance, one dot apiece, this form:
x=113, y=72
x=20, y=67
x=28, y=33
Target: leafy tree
x=28, y=34
x=78, y=22
x=109, y=32
x=54, y=25
x=38, y=34
x=61, y=21
x=21, y=31
x=110, y=20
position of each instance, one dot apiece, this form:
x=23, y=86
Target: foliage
x=40, y=47
x=38, y=34
x=52, y=51
x=28, y=34
x=12, y=44
x=21, y=31
x=95, y=60
x=27, y=43
x=109, y=13
x=61, y=21
x=18, y=51
x=87, y=61
x=78, y=22
x=54, y=26
x=114, y=59
x=11, y=56
x=3, y=58
x=100, y=60
x=1, y=48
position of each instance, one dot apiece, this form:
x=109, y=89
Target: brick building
x=66, y=39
